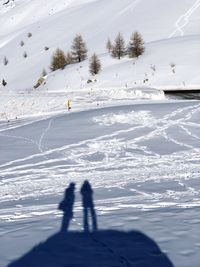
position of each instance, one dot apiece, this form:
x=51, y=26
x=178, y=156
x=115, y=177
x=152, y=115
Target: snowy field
x=142, y=161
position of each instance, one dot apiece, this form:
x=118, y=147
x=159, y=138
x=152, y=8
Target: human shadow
x=88, y=207
x=97, y=248
x=66, y=205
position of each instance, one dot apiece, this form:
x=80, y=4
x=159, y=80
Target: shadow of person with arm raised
x=66, y=205
x=88, y=206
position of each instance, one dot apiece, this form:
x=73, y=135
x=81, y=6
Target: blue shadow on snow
x=92, y=247
x=106, y=248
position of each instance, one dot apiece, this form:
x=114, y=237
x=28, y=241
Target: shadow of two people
x=67, y=205
x=107, y=248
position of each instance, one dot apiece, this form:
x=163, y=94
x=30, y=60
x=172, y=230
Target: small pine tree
x=79, y=50
x=29, y=35
x=95, y=64
x=5, y=61
x=69, y=58
x=46, y=48
x=136, y=45
x=118, y=48
x=173, y=67
x=109, y=46
x=58, y=60
x=22, y=43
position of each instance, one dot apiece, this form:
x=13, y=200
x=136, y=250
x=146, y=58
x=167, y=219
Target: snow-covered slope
x=54, y=24
x=141, y=157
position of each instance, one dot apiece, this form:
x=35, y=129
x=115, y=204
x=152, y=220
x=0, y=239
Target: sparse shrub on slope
x=29, y=35
x=58, y=60
x=5, y=61
x=4, y=83
x=95, y=64
x=25, y=55
x=173, y=67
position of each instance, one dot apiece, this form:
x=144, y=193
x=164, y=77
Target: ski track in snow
x=131, y=6
x=184, y=19
x=43, y=135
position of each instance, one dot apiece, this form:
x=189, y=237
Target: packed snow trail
x=184, y=20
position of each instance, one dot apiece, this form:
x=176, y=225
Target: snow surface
x=139, y=150
x=142, y=161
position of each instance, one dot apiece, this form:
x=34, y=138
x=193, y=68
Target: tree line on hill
x=117, y=49
x=134, y=49
x=78, y=53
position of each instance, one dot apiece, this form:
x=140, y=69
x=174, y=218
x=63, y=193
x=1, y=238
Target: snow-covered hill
x=171, y=31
